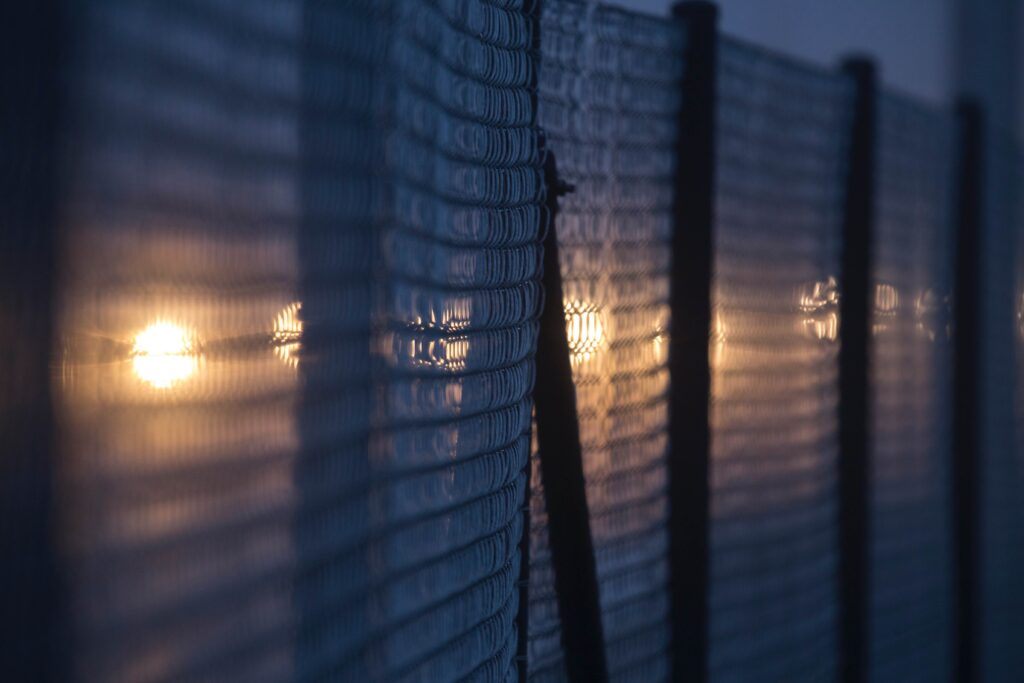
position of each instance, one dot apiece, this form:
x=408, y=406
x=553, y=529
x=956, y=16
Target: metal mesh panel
x=774, y=497
x=297, y=337
x=295, y=318
x=911, y=384
x=546, y=658
x=1001, y=601
x=609, y=99
x=180, y=253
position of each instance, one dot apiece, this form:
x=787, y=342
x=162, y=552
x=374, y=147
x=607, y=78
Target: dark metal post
x=561, y=467
x=33, y=45
x=690, y=300
x=856, y=294
x=966, y=390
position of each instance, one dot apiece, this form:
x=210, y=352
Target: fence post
x=690, y=375
x=966, y=390
x=561, y=467
x=856, y=295
x=33, y=54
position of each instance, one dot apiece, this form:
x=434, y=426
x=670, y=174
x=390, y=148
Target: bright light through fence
x=585, y=329
x=288, y=333
x=164, y=354
x=819, y=302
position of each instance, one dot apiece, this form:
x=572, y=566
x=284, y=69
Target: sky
x=912, y=40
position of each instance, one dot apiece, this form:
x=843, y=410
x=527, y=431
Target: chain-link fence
x=272, y=283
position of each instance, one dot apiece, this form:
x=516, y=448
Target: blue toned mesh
x=546, y=659
x=297, y=330
x=453, y=340
x=774, y=495
x=911, y=395
x=609, y=101
x=1001, y=600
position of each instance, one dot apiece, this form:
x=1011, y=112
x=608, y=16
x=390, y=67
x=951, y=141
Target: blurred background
x=270, y=284
x=927, y=48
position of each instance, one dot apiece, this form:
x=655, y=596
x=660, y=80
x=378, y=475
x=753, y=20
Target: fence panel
x=781, y=138
x=298, y=258
x=609, y=101
x=297, y=332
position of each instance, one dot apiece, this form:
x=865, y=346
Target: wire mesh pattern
x=283, y=402
x=546, y=659
x=302, y=246
x=181, y=228
x=781, y=145
x=609, y=100
x=910, y=395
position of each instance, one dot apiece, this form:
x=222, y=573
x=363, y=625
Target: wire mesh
x=297, y=331
x=298, y=260
x=609, y=100
x=773, y=351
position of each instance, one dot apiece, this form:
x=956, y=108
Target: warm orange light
x=163, y=355
x=887, y=305
x=449, y=353
x=820, y=304
x=826, y=327
x=887, y=299
x=288, y=333
x=719, y=336
x=584, y=326
x=661, y=346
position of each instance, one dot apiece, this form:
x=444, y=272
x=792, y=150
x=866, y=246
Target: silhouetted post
x=561, y=467
x=33, y=41
x=690, y=385
x=856, y=295
x=966, y=389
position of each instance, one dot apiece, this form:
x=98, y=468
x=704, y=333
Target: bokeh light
x=164, y=354
x=819, y=303
x=288, y=333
